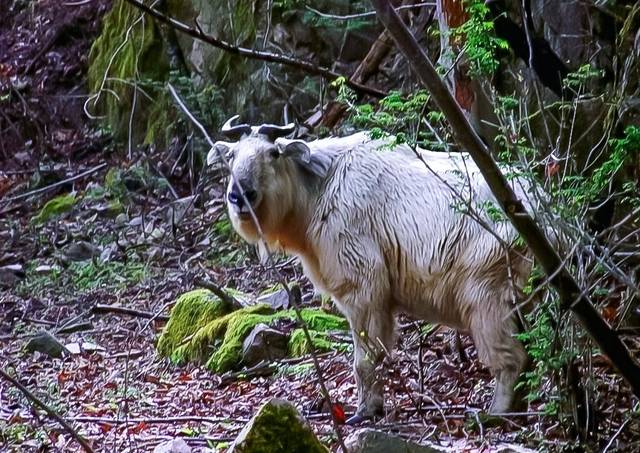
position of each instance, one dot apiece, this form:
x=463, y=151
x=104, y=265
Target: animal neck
x=290, y=231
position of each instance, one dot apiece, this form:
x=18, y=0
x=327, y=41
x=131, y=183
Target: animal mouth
x=245, y=213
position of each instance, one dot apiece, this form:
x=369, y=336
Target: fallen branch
x=571, y=296
x=100, y=308
x=224, y=296
x=286, y=60
x=260, y=370
x=58, y=184
x=156, y=420
x=34, y=399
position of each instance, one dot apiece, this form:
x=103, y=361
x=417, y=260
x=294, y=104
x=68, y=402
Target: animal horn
x=235, y=131
x=272, y=131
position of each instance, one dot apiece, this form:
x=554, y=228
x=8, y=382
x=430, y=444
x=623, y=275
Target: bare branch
x=53, y=414
x=287, y=60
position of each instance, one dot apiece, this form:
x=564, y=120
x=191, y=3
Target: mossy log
x=202, y=329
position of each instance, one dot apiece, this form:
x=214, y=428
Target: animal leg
x=373, y=331
x=493, y=331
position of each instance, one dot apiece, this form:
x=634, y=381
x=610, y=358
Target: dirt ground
x=149, y=230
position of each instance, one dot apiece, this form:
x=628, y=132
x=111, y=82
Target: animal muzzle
x=240, y=201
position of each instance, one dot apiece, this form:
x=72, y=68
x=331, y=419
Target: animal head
x=265, y=174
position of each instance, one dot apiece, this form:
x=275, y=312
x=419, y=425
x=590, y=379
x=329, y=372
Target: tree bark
x=571, y=296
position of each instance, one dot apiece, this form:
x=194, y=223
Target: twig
x=157, y=420
x=58, y=184
x=259, y=370
x=365, y=14
x=287, y=60
x=34, y=399
x=100, y=308
x=225, y=297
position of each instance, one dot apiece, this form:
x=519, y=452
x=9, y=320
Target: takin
x=384, y=231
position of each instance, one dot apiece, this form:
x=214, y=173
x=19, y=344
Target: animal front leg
x=372, y=334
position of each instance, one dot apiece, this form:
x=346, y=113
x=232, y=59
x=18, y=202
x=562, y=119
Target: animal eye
x=274, y=153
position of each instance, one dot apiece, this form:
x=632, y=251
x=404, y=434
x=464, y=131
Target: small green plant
x=480, y=42
x=577, y=191
x=543, y=345
x=583, y=75
x=82, y=277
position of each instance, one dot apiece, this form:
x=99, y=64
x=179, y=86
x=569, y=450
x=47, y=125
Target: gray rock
x=80, y=251
x=47, y=344
x=263, y=343
x=11, y=275
x=176, y=445
x=277, y=427
x=121, y=219
x=369, y=440
x=277, y=299
x=174, y=213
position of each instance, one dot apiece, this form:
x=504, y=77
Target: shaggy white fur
x=383, y=232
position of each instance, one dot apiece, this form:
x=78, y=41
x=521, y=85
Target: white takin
x=382, y=231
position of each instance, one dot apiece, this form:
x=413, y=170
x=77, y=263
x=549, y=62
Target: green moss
x=299, y=345
x=239, y=325
x=129, y=53
x=278, y=427
x=318, y=320
x=193, y=311
x=54, y=208
x=202, y=330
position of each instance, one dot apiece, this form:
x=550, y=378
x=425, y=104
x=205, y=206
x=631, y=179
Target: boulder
x=264, y=343
x=369, y=440
x=277, y=427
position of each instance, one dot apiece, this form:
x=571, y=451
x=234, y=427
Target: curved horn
x=272, y=131
x=235, y=131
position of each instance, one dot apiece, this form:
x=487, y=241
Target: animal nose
x=237, y=199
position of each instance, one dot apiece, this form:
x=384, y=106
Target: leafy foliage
x=480, y=42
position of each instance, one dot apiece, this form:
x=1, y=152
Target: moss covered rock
x=54, y=207
x=299, y=344
x=202, y=329
x=277, y=427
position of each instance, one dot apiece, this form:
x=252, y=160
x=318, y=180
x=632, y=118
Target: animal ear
x=296, y=149
x=217, y=150
x=315, y=163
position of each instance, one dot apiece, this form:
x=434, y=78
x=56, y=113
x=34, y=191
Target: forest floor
x=136, y=233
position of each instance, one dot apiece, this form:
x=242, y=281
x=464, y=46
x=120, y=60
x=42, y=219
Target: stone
x=80, y=251
x=263, y=343
x=47, y=344
x=369, y=440
x=277, y=427
x=277, y=299
x=176, y=445
x=11, y=275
